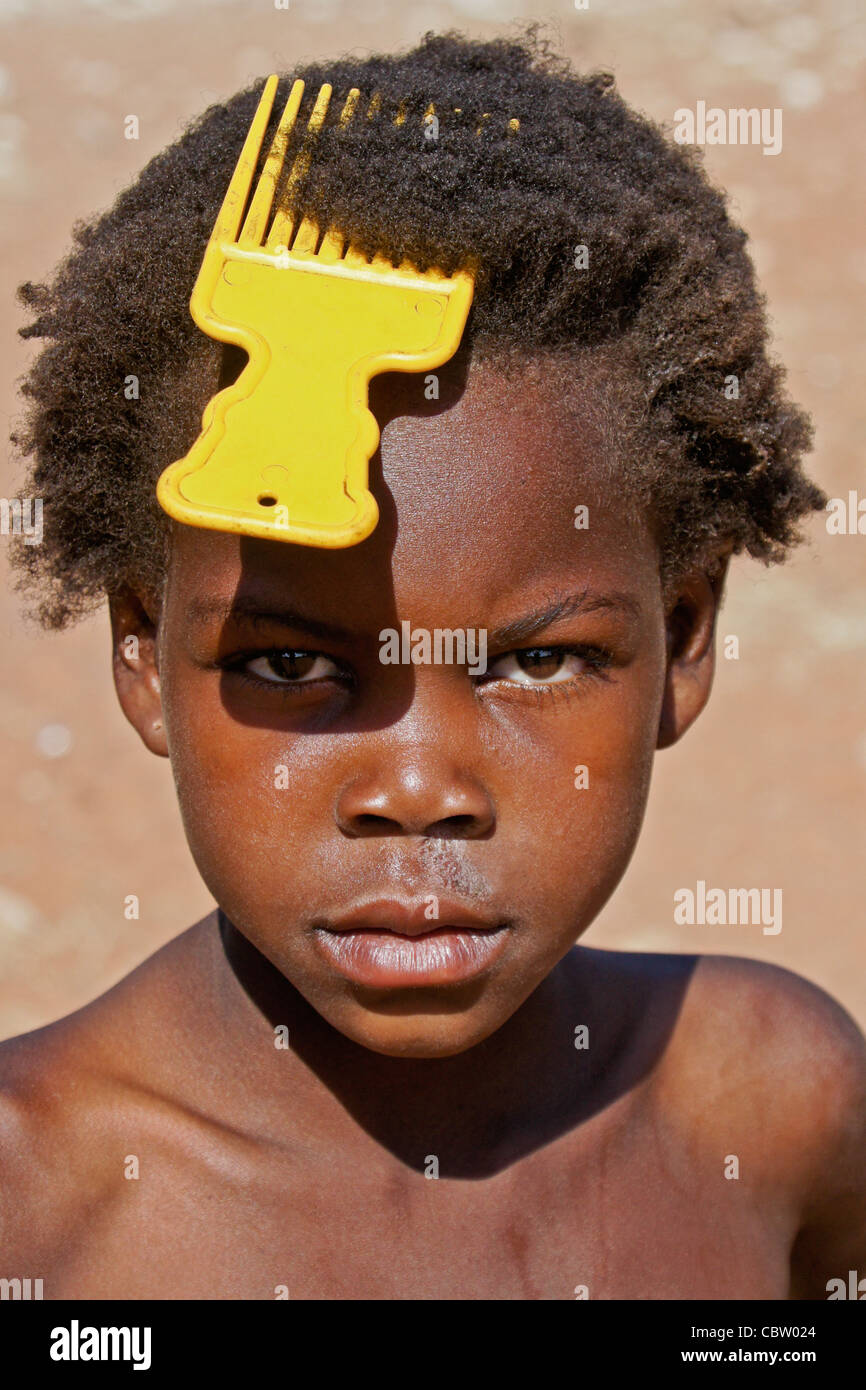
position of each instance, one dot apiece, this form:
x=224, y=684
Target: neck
x=476, y=1111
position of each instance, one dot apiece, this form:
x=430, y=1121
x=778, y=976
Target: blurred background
x=769, y=788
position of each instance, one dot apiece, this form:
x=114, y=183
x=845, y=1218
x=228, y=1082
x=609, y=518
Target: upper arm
x=811, y=1087
x=832, y=1238
x=38, y=1155
x=794, y=1085
x=15, y=1147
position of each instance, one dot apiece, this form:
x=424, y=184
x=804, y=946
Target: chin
x=422, y=1036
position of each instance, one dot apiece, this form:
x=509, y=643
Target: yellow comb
x=284, y=451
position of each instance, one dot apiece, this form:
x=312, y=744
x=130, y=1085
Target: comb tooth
x=331, y=248
x=480, y=125
x=320, y=110
x=307, y=237
x=260, y=207
x=281, y=230
x=232, y=210
x=381, y=263
x=354, y=258
x=349, y=108
x=401, y=113
x=375, y=105
x=280, y=235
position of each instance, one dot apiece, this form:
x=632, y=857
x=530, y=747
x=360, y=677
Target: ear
x=135, y=666
x=691, y=630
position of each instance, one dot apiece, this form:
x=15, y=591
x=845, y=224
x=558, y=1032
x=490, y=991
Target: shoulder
x=774, y=1041
x=767, y=1019
x=716, y=1021
x=772, y=1063
x=47, y=1171
x=782, y=1029
x=811, y=1108
x=69, y=1093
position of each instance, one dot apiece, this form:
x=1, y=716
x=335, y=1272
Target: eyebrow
x=256, y=613
x=564, y=607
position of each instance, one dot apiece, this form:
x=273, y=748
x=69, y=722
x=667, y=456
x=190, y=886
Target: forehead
x=478, y=477
x=498, y=458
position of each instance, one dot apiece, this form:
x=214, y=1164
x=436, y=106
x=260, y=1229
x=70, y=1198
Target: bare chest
x=595, y=1216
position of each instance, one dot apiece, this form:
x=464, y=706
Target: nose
x=425, y=794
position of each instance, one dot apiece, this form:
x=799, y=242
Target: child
x=383, y=1069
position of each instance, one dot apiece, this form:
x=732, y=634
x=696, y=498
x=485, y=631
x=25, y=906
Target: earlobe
x=691, y=622
x=135, y=668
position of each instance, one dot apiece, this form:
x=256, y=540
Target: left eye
x=537, y=666
x=292, y=667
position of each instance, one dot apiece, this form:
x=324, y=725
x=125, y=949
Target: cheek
x=252, y=799
x=574, y=794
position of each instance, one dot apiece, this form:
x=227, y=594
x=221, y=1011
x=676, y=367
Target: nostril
x=375, y=824
x=412, y=802
x=455, y=827
x=452, y=827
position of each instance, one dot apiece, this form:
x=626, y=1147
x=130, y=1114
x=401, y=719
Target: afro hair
x=668, y=289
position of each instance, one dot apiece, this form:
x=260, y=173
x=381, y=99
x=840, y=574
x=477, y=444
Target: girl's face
x=415, y=847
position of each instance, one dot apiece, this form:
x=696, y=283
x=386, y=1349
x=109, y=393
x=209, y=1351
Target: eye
x=534, y=666
x=292, y=667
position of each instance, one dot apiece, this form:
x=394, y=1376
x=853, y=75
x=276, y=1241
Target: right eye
x=291, y=667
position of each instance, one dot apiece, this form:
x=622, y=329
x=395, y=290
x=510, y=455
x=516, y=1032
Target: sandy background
x=768, y=789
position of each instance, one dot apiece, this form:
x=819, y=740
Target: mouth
x=391, y=944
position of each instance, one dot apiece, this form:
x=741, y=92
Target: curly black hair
x=669, y=289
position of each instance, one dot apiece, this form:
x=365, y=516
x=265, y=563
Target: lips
x=391, y=943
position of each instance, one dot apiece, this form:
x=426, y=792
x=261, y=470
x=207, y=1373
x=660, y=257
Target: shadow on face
x=312, y=773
